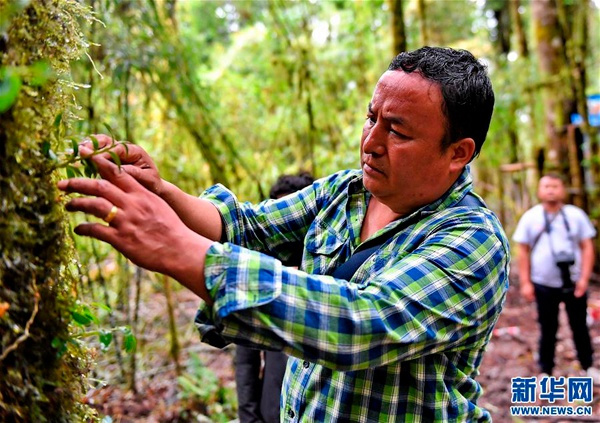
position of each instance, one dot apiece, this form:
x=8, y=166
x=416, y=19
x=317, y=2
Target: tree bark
x=422, y=12
x=550, y=48
x=398, y=27
x=42, y=376
x=517, y=22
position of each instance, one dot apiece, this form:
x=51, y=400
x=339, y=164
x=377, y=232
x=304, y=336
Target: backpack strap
x=347, y=269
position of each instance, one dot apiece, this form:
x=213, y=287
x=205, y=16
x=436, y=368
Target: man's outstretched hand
x=134, y=160
x=145, y=229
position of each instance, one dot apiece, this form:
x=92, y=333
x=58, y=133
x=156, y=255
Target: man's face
x=403, y=164
x=551, y=190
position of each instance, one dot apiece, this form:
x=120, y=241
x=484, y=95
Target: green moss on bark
x=39, y=383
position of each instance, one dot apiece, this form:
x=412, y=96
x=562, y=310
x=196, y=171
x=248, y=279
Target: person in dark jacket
x=259, y=387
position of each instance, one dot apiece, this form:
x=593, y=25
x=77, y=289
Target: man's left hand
x=581, y=288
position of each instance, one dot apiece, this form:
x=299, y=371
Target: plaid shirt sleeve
x=436, y=287
x=274, y=227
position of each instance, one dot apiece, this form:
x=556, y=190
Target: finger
x=128, y=153
x=100, y=141
x=94, y=187
x=114, y=174
x=134, y=171
x=85, y=151
x=95, y=206
x=122, y=149
x=100, y=232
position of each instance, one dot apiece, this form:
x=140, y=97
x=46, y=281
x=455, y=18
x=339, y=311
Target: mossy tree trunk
x=42, y=373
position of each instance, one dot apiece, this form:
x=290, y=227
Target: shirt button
x=306, y=364
x=291, y=413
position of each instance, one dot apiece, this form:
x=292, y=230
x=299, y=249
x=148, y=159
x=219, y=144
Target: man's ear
x=462, y=152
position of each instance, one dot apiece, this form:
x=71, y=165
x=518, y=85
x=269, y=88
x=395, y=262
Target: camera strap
x=548, y=229
x=549, y=221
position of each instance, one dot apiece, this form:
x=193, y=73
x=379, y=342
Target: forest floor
x=161, y=398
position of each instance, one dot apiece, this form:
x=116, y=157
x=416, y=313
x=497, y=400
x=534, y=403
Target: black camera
x=564, y=261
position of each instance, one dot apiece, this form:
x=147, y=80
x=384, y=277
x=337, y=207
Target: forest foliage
x=239, y=92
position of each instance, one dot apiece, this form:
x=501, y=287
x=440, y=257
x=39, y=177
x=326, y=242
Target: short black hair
x=555, y=176
x=465, y=85
x=286, y=184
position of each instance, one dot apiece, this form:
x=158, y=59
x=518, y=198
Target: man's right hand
x=134, y=160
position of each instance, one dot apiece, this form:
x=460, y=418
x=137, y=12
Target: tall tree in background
x=561, y=36
x=573, y=19
x=517, y=25
x=553, y=71
x=422, y=13
x=398, y=27
x=501, y=34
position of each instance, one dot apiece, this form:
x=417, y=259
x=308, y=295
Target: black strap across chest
x=347, y=269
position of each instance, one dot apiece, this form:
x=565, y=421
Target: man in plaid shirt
x=403, y=338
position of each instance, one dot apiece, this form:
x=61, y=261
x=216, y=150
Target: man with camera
x=556, y=258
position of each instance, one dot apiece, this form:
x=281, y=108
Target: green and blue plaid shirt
x=401, y=341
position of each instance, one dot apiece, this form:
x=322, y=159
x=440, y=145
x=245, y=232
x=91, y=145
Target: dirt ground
x=158, y=398
x=512, y=351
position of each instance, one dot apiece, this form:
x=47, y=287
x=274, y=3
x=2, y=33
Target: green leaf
x=75, y=146
x=46, y=148
x=95, y=142
x=73, y=171
x=57, y=126
x=110, y=131
x=59, y=345
x=115, y=158
x=125, y=144
x=89, y=168
x=105, y=338
x=57, y=120
x=40, y=73
x=129, y=339
x=82, y=319
x=10, y=85
x=129, y=342
x=57, y=342
x=83, y=315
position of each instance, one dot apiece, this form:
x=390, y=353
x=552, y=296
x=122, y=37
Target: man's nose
x=374, y=142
